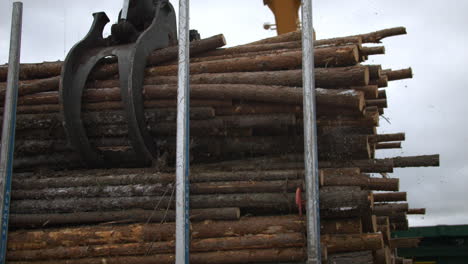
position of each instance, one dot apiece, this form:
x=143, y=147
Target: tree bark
x=359, y=257
x=350, y=243
x=331, y=199
x=390, y=197
x=365, y=182
x=421, y=211
x=390, y=208
x=261, y=93
x=140, y=233
x=49, y=69
x=158, y=189
x=399, y=74
x=261, y=241
x=229, y=257
x=142, y=176
x=130, y=216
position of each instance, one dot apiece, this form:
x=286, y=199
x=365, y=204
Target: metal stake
x=183, y=138
x=125, y=7
x=9, y=122
x=310, y=137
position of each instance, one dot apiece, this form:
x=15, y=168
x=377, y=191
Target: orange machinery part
x=286, y=14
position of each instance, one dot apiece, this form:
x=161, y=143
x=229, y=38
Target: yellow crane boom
x=286, y=14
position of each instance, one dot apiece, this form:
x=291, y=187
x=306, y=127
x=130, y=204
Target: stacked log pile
x=246, y=147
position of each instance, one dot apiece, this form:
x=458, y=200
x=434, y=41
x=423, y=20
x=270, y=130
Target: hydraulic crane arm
x=286, y=14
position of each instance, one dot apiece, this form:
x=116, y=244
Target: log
x=365, y=182
x=381, y=82
x=390, y=208
x=130, y=216
x=406, y=242
x=387, y=137
x=325, y=78
x=331, y=198
x=381, y=103
x=261, y=93
x=143, y=176
x=49, y=69
x=197, y=245
x=229, y=257
x=390, y=197
x=354, y=242
x=372, y=37
x=359, y=257
x=421, y=211
x=399, y=74
x=382, y=94
x=417, y=161
x=366, y=51
x=347, y=55
x=140, y=233
x=114, y=105
x=387, y=145
x=341, y=226
x=158, y=189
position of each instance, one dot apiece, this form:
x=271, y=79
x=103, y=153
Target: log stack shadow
x=247, y=155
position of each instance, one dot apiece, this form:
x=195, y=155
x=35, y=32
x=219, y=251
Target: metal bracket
x=131, y=57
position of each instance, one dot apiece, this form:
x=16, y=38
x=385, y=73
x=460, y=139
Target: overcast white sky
x=430, y=108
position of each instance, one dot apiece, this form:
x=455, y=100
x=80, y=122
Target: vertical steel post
x=183, y=139
x=310, y=136
x=125, y=7
x=9, y=122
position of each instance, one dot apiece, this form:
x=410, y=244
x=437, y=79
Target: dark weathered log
x=296, y=161
x=139, y=233
x=421, y=211
x=261, y=93
x=381, y=103
x=382, y=94
x=262, y=241
x=359, y=257
x=387, y=137
x=341, y=226
x=370, y=91
x=390, y=197
x=130, y=216
x=390, y=208
x=49, y=69
x=325, y=78
x=331, y=199
x=229, y=257
x=350, y=243
x=399, y=74
x=341, y=172
x=417, y=161
x=117, y=105
x=142, y=176
x=365, y=182
x=381, y=82
x=159, y=189
x=406, y=242
x=388, y=145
